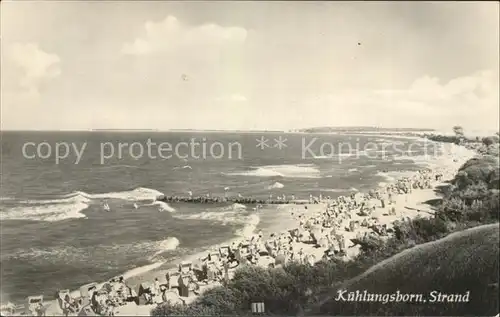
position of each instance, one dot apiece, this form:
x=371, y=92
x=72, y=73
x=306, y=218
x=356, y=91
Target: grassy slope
x=463, y=261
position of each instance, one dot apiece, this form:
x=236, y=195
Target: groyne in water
x=237, y=200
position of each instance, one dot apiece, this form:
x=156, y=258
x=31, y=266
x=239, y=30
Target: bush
x=443, y=138
x=168, y=309
x=490, y=140
x=483, y=170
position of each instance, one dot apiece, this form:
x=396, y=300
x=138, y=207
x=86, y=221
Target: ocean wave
x=418, y=159
x=237, y=206
x=65, y=199
x=168, y=244
x=330, y=156
x=286, y=171
x=140, y=193
x=276, y=185
x=249, y=227
x=141, y=270
x=117, y=166
x=340, y=190
x=183, y=167
x=341, y=155
x=47, y=212
x=70, y=206
x=225, y=216
x=71, y=254
x=392, y=176
x=163, y=206
x=235, y=214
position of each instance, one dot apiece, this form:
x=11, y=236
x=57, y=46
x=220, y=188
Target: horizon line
x=221, y=130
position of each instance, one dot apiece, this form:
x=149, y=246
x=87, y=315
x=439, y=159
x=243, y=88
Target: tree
x=458, y=130
x=490, y=140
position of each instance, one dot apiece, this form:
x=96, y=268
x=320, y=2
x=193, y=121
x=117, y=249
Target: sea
x=56, y=233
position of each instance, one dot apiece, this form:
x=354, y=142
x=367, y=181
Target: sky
x=248, y=65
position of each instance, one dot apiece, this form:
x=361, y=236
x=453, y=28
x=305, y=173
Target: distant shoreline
x=295, y=130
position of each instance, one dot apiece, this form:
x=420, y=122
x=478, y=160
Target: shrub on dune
x=477, y=170
x=490, y=140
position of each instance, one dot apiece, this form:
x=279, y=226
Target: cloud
x=170, y=35
x=232, y=98
x=36, y=65
x=471, y=101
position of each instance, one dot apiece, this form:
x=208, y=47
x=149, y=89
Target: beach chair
x=172, y=279
x=87, y=289
x=352, y=226
x=186, y=284
x=211, y=269
x=145, y=292
x=185, y=267
x=34, y=304
x=86, y=292
x=294, y=233
x=62, y=293
x=144, y=288
x=8, y=309
x=245, y=249
x=224, y=251
x=214, y=257
x=19, y=310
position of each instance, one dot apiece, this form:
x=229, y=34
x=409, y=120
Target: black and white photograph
x=249, y=158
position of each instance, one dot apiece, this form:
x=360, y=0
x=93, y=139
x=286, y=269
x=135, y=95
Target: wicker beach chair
x=86, y=292
x=214, y=257
x=185, y=267
x=35, y=303
x=224, y=251
x=172, y=279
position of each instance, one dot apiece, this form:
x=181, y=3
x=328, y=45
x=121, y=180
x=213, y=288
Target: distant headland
x=362, y=129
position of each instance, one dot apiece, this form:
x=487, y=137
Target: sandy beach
x=409, y=205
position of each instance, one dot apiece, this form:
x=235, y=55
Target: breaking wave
x=276, y=185
x=71, y=254
x=234, y=214
x=183, y=167
x=163, y=206
x=286, y=171
x=340, y=190
x=70, y=206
